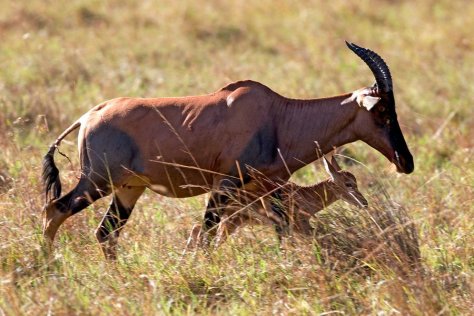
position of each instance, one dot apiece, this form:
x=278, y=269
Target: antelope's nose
x=409, y=165
x=404, y=163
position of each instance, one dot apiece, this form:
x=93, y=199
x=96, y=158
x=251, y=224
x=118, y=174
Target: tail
x=50, y=175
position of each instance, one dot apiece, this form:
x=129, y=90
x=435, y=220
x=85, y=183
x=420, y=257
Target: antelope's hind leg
x=120, y=209
x=58, y=210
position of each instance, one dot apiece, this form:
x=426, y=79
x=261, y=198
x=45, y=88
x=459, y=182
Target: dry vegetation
x=410, y=253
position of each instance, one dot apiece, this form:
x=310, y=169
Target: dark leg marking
x=119, y=211
x=216, y=205
x=276, y=205
x=213, y=210
x=78, y=199
x=57, y=211
x=281, y=227
x=115, y=218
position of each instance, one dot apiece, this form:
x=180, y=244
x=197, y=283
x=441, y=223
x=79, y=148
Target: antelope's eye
x=381, y=109
x=348, y=184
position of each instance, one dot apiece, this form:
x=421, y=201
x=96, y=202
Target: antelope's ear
x=329, y=168
x=368, y=102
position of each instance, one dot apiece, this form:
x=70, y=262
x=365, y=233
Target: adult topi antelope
x=182, y=147
x=298, y=205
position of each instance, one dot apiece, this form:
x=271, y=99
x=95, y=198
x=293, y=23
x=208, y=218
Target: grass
x=60, y=59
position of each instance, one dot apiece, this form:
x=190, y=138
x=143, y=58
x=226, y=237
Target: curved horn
x=376, y=64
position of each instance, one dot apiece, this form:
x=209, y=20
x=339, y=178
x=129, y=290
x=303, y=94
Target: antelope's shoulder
x=243, y=90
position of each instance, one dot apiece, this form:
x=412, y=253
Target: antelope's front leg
x=282, y=222
x=212, y=218
x=216, y=207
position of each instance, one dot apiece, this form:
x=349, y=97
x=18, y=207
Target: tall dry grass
x=411, y=253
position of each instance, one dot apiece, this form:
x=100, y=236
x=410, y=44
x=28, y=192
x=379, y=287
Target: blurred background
x=58, y=59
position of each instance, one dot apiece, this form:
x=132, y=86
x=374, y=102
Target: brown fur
x=299, y=203
x=203, y=132
x=181, y=147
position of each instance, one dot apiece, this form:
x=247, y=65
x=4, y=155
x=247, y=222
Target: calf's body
x=298, y=204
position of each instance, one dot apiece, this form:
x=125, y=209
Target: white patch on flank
x=80, y=136
x=230, y=100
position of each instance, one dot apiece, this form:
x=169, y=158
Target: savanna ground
x=58, y=59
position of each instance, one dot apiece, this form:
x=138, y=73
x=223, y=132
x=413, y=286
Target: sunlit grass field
x=58, y=59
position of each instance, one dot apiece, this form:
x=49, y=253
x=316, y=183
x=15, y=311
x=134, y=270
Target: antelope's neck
x=310, y=128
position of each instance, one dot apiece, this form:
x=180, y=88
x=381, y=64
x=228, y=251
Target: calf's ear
x=329, y=168
x=335, y=164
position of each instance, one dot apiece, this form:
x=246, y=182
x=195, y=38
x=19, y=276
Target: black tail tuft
x=51, y=181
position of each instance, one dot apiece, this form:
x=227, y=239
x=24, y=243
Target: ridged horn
x=376, y=64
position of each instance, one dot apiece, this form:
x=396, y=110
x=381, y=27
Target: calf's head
x=344, y=184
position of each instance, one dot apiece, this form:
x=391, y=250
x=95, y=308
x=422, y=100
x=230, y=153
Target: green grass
x=59, y=59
